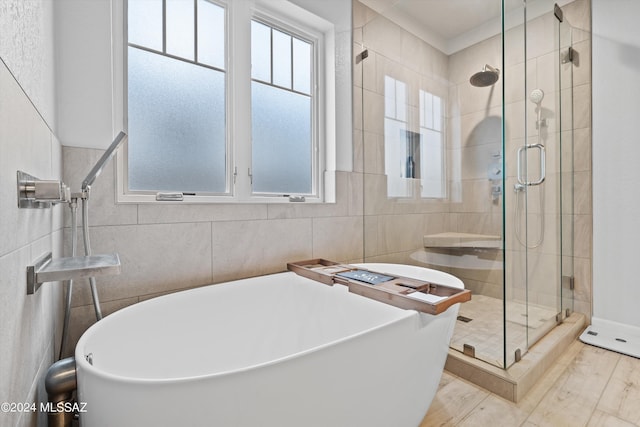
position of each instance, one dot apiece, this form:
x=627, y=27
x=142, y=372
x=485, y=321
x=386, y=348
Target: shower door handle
x=543, y=167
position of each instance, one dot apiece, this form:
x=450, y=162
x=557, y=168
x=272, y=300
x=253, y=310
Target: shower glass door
x=450, y=147
x=538, y=208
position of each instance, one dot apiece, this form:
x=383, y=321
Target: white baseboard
x=614, y=336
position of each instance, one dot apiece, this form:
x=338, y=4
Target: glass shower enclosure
x=463, y=134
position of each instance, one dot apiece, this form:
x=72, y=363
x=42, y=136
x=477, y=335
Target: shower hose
x=73, y=205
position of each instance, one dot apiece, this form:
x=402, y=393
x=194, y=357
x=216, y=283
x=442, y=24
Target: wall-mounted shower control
x=34, y=193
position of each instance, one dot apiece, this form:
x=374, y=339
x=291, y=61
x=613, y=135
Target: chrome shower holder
x=46, y=269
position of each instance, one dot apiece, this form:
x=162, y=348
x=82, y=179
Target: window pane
x=401, y=101
x=281, y=143
x=395, y=158
x=176, y=125
x=180, y=28
x=301, y=66
x=145, y=23
x=281, y=59
x=211, y=29
x=431, y=172
x=437, y=113
x=422, y=109
x=428, y=110
x=260, y=52
x=389, y=97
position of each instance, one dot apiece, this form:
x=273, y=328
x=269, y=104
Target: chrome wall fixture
x=47, y=269
x=34, y=193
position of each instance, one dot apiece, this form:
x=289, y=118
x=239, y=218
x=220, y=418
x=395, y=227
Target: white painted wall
x=84, y=73
x=616, y=157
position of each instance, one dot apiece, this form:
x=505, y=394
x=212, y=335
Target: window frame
x=238, y=103
x=440, y=130
x=412, y=120
x=274, y=21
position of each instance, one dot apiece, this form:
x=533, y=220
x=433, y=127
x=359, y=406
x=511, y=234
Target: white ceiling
x=452, y=25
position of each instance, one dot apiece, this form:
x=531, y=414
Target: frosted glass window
x=176, y=125
x=260, y=52
x=395, y=98
x=430, y=111
x=301, y=66
x=426, y=109
x=396, y=153
x=180, y=32
x=211, y=29
x=437, y=113
x=431, y=164
x=401, y=101
x=280, y=59
x=281, y=142
x=395, y=158
x=281, y=48
x=178, y=103
x=389, y=97
x=145, y=23
x=432, y=173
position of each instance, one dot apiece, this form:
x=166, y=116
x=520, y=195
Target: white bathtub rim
x=448, y=279
x=84, y=364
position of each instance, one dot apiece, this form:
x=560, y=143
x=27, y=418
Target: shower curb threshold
x=514, y=383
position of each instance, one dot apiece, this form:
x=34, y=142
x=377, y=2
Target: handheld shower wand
x=73, y=205
x=536, y=96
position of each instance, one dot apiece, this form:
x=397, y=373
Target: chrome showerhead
x=536, y=96
x=487, y=77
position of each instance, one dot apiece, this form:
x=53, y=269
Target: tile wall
x=394, y=228
x=30, y=325
x=171, y=247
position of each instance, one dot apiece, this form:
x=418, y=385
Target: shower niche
x=412, y=163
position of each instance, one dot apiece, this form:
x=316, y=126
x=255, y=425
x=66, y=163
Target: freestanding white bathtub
x=278, y=350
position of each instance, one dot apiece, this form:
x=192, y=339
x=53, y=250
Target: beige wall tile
x=581, y=107
x=83, y=317
x=338, y=238
x=582, y=70
x=30, y=323
x=27, y=147
x=251, y=248
x=177, y=213
x=581, y=149
x=154, y=258
x=103, y=209
x=541, y=35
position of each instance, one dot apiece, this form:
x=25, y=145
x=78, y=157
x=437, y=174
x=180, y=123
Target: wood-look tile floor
x=586, y=386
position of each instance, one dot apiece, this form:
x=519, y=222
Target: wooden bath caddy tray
x=399, y=291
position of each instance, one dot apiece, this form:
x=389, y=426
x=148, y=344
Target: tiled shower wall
x=394, y=229
x=29, y=324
